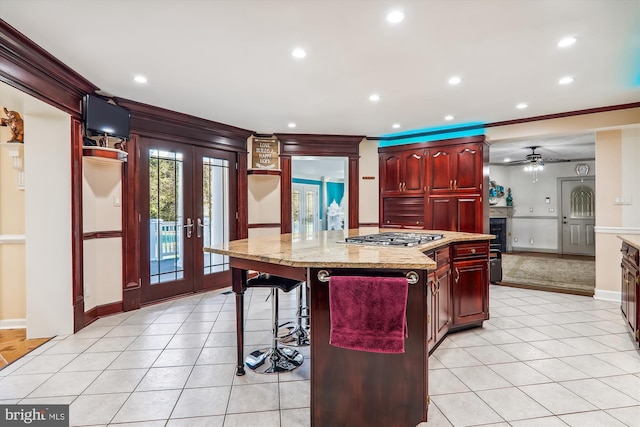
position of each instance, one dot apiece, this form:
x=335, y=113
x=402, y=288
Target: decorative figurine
x=509, y=198
x=15, y=123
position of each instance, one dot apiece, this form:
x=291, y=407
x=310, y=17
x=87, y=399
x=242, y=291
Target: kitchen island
x=356, y=388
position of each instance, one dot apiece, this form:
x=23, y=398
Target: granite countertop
x=631, y=239
x=328, y=250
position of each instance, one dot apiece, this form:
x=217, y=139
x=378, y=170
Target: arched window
x=582, y=202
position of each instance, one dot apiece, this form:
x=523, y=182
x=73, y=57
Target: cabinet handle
x=450, y=185
x=457, y=275
x=455, y=184
x=400, y=187
x=404, y=186
x=473, y=250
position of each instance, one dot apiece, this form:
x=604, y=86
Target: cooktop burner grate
x=395, y=239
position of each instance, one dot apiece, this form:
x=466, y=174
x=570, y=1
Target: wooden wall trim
x=438, y=143
x=242, y=199
x=29, y=68
x=77, y=246
x=101, y=234
x=131, y=231
x=102, y=310
x=285, y=194
x=265, y=225
x=368, y=224
x=565, y=114
x=148, y=120
x=319, y=145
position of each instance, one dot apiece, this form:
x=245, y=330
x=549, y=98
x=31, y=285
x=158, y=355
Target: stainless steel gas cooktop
x=394, y=239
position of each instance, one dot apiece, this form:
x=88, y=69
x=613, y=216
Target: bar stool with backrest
x=276, y=358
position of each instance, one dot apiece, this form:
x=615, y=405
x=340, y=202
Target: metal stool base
x=273, y=360
x=296, y=336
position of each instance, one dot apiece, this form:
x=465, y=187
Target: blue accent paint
x=432, y=134
x=335, y=191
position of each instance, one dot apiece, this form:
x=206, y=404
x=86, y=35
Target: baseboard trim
x=102, y=310
x=614, y=296
x=526, y=249
x=13, y=324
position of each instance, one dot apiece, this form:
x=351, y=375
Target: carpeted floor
x=574, y=275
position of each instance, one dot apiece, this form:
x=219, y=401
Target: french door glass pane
x=166, y=242
x=295, y=213
x=215, y=211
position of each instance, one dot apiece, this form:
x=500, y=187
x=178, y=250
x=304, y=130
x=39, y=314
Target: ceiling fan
x=534, y=162
x=534, y=158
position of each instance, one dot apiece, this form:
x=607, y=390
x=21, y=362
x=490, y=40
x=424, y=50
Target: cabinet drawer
x=470, y=250
x=406, y=211
x=631, y=254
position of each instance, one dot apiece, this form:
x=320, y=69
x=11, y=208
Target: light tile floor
x=544, y=359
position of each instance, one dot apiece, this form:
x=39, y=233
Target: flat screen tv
x=104, y=118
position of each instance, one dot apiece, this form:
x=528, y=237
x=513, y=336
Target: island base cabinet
x=356, y=388
x=470, y=284
x=630, y=304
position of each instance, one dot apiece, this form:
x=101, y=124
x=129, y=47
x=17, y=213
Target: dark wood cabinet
x=402, y=171
x=446, y=175
x=403, y=212
x=630, y=301
x=470, y=283
x=455, y=169
x=455, y=213
x=439, y=297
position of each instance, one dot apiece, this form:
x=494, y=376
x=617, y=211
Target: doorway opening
x=319, y=196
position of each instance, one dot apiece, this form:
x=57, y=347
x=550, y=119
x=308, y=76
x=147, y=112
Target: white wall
x=533, y=218
x=369, y=188
x=631, y=182
x=47, y=160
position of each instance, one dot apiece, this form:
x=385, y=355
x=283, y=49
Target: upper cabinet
x=402, y=172
x=434, y=185
x=455, y=169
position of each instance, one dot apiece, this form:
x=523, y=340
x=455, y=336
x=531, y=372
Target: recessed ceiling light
x=567, y=41
x=140, y=79
x=299, y=53
x=454, y=80
x=565, y=80
x=506, y=159
x=396, y=126
x=448, y=117
x=395, y=16
x=291, y=125
x=374, y=97
x=521, y=106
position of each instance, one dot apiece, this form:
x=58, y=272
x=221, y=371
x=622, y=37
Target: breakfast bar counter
x=354, y=388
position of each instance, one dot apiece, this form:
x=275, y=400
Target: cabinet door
x=430, y=289
x=390, y=179
x=412, y=172
x=468, y=168
x=442, y=213
x=470, y=282
x=442, y=302
x=440, y=170
x=469, y=214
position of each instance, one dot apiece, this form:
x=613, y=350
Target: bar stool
x=275, y=358
x=298, y=335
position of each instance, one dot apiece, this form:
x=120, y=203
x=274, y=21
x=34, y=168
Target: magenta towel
x=368, y=313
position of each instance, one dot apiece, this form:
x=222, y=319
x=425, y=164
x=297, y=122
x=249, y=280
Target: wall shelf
x=16, y=152
x=104, y=153
x=264, y=172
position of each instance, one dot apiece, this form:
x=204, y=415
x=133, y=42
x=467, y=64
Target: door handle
x=199, y=227
x=189, y=227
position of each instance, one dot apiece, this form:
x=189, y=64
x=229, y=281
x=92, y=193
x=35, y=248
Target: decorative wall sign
x=265, y=153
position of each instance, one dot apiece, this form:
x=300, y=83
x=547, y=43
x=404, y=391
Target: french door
x=305, y=210
x=189, y=202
